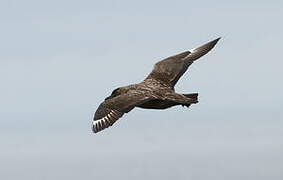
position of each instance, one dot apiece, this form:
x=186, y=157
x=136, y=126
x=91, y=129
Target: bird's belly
x=157, y=104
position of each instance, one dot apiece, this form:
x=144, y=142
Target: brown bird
x=155, y=92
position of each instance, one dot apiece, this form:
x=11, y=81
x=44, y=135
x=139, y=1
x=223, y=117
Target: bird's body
x=155, y=92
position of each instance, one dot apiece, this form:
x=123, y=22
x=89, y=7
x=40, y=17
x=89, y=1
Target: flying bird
x=155, y=92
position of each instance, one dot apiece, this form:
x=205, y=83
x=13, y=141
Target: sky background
x=60, y=59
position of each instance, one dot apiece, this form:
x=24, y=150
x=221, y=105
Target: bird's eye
x=115, y=92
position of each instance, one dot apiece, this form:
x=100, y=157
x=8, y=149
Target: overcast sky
x=60, y=59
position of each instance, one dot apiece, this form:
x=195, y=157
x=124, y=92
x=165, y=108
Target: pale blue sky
x=60, y=59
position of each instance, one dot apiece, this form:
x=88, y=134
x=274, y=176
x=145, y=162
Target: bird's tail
x=193, y=96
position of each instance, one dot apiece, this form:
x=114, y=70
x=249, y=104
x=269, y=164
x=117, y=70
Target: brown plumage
x=155, y=92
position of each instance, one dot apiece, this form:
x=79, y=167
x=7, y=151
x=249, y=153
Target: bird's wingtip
x=213, y=42
x=202, y=50
x=93, y=129
x=217, y=39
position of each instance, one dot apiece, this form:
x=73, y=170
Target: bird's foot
x=186, y=105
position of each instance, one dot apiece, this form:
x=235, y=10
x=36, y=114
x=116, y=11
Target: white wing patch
x=192, y=50
x=106, y=121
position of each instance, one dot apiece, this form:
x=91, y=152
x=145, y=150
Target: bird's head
x=114, y=93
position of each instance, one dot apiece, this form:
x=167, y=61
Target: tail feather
x=192, y=96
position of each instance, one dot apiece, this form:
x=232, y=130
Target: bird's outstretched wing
x=112, y=109
x=172, y=68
